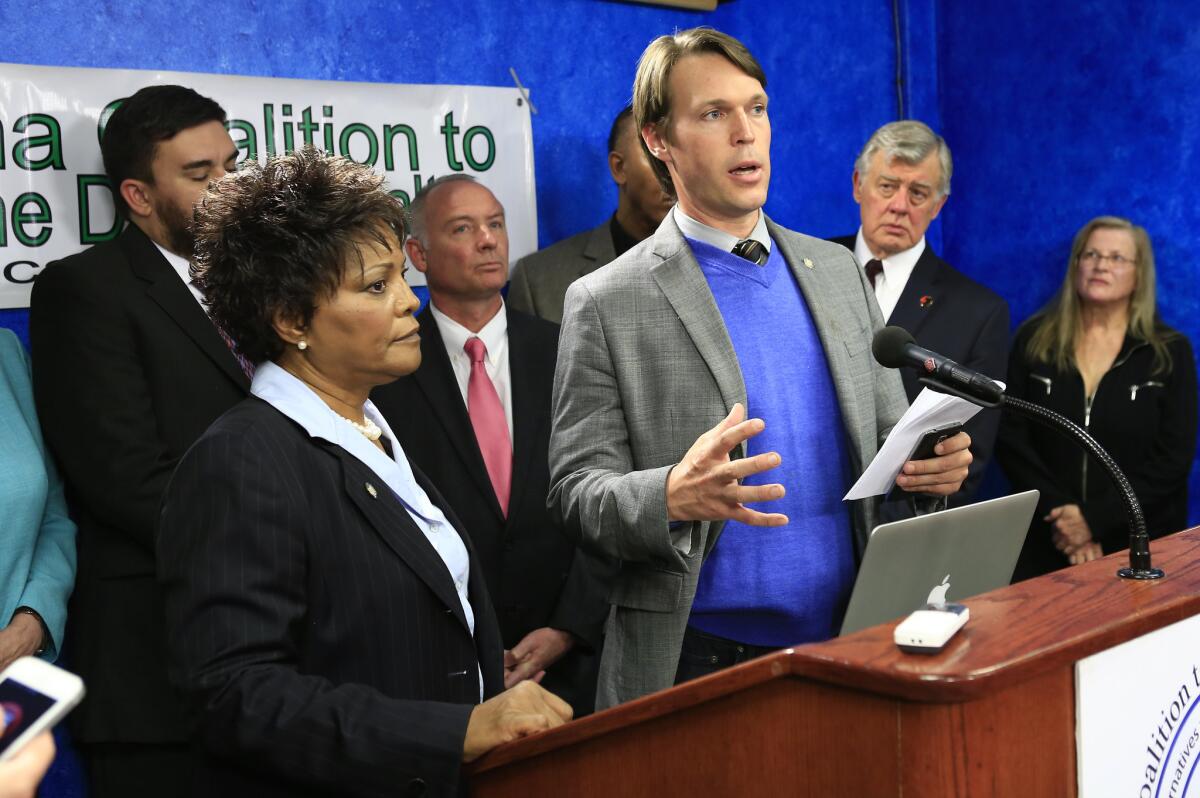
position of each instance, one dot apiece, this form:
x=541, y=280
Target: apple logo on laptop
x=937, y=596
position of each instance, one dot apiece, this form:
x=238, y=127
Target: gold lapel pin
x=808, y=262
x=371, y=490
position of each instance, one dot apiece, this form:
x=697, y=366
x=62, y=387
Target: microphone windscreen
x=888, y=346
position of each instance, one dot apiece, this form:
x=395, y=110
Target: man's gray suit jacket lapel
x=685, y=287
x=598, y=251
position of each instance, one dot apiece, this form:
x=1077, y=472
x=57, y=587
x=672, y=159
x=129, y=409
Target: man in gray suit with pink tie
x=653, y=455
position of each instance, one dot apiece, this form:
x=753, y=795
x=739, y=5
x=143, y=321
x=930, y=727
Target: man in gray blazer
x=661, y=352
x=540, y=280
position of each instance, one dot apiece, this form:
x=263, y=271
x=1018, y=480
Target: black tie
x=751, y=250
x=874, y=268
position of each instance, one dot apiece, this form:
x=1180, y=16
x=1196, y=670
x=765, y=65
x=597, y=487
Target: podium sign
x=1137, y=733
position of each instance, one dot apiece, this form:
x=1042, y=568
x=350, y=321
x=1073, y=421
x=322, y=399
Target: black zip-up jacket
x=1145, y=421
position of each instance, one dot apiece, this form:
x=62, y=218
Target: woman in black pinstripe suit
x=327, y=618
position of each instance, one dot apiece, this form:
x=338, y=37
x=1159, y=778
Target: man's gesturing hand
x=705, y=485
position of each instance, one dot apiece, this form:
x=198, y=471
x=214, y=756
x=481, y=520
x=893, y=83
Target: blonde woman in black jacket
x=1098, y=354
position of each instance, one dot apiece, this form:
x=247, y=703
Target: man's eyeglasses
x=1092, y=257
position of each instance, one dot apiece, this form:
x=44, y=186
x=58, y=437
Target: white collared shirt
x=182, y=268
x=297, y=401
x=719, y=238
x=495, y=338
x=889, y=285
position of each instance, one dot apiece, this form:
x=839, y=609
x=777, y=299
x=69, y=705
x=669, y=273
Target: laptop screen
x=951, y=555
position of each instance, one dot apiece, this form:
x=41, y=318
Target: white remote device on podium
x=928, y=629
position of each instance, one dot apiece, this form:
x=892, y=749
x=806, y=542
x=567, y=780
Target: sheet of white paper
x=929, y=411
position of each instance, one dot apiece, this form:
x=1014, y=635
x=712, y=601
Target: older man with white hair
x=901, y=181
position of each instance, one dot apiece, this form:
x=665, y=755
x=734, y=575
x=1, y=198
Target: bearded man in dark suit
x=128, y=372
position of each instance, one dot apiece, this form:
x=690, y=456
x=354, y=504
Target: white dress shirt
x=182, y=268
x=297, y=401
x=699, y=231
x=889, y=285
x=495, y=337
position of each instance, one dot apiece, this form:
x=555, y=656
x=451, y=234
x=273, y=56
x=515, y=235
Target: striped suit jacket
x=311, y=626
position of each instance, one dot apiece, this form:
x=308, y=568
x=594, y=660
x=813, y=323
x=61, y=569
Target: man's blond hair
x=651, y=95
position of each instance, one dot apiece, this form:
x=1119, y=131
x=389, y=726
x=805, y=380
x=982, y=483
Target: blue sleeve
x=52, y=570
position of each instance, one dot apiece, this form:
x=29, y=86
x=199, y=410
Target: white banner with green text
x=55, y=199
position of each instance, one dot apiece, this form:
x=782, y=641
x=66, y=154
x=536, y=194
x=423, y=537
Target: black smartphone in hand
x=924, y=448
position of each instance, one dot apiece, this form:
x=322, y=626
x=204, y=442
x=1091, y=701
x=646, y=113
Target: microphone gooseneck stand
x=1139, y=542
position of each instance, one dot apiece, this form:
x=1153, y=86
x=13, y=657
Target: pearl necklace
x=369, y=430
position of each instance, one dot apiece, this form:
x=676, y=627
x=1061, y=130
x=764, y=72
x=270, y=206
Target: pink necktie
x=487, y=418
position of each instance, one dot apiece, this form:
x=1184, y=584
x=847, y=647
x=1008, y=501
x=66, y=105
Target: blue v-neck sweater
x=779, y=586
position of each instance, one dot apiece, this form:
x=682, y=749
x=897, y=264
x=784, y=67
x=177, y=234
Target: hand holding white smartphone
x=34, y=696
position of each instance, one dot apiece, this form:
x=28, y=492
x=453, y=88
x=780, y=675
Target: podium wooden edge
x=1015, y=634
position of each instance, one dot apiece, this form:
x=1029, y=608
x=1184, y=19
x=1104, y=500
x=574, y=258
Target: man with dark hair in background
x=901, y=181
x=550, y=598
x=540, y=280
x=128, y=372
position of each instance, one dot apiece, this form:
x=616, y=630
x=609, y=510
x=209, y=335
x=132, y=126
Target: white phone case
x=34, y=696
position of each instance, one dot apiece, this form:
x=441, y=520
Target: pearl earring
x=302, y=345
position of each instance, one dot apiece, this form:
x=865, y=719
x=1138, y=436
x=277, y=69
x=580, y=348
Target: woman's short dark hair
x=274, y=238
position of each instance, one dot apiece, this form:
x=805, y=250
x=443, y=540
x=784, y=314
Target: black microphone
x=894, y=347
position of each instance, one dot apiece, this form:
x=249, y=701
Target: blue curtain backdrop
x=1056, y=112
x=1059, y=112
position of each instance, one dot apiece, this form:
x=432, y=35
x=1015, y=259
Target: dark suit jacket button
x=416, y=787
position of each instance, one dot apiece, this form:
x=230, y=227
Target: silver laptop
x=947, y=556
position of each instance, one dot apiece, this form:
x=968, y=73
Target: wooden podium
x=993, y=714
